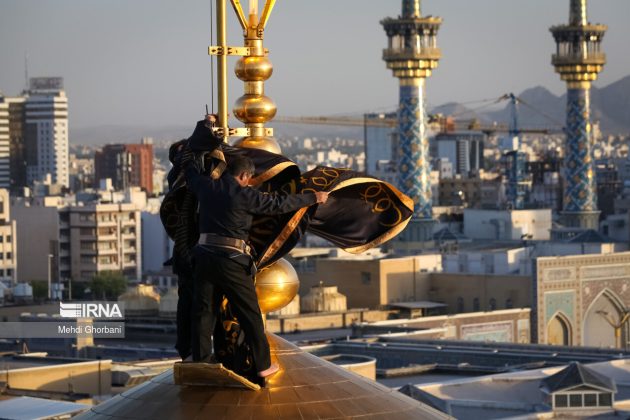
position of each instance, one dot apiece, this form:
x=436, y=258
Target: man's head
x=241, y=168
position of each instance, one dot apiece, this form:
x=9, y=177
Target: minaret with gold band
x=578, y=60
x=412, y=54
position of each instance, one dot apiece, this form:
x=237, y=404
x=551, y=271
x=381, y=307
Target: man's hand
x=321, y=196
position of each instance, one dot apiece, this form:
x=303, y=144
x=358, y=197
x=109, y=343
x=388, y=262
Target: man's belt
x=224, y=242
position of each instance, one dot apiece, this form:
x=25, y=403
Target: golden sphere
x=254, y=109
x=276, y=286
x=265, y=143
x=253, y=69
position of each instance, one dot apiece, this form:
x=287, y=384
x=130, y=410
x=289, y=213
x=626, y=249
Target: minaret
x=412, y=54
x=578, y=60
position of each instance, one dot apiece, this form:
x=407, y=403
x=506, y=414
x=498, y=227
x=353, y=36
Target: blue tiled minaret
x=412, y=54
x=578, y=60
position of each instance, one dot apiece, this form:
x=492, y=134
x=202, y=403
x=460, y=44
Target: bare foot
x=269, y=371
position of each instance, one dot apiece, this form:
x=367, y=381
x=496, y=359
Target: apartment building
x=99, y=237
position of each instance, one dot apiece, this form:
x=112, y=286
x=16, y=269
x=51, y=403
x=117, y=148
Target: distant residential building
x=100, y=237
x=617, y=227
x=385, y=171
x=379, y=140
x=81, y=173
x=444, y=167
x=37, y=221
x=75, y=241
x=159, y=180
x=609, y=186
x=126, y=165
x=464, y=149
x=464, y=191
x=8, y=246
x=546, y=189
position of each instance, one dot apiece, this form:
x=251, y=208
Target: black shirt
x=227, y=209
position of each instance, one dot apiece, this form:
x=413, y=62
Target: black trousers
x=184, y=315
x=226, y=273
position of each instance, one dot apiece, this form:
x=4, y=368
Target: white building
x=5, y=143
x=8, y=248
x=500, y=261
x=46, y=131
x=507, y=224
x=157, y=246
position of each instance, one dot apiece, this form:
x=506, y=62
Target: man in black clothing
x=186, y=232
x=222, y=259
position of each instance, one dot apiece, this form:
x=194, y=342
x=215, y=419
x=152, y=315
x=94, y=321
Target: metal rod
x=266, y=13
x=222, y=66
x=238, y=9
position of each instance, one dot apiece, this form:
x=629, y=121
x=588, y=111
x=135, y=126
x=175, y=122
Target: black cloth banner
x=362, y=212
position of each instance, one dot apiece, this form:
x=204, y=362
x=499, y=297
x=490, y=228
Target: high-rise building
x=17, y=152
x=46, y=131
x=464, y=149
x=127, y=165
x=379, y=140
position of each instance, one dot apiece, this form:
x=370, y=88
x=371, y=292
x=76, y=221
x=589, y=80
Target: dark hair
x=175, y=149
x=239, y=165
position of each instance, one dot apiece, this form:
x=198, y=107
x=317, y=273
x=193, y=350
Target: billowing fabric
x=361, y=212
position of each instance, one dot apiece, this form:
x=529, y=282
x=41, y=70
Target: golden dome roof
x=306, y=387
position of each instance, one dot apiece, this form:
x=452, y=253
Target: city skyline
x=139, y=63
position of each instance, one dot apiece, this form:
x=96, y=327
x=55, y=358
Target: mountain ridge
x=540, y=108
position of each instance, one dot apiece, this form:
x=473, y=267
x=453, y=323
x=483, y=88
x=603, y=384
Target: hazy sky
x=138, y=62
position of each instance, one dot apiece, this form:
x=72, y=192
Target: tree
x=108, y=285
x=40, y=289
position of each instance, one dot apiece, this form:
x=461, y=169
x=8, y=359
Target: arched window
x=509, y=304
x=558, y=331
x=460, y=304
x=476, y=305
x=493, y=304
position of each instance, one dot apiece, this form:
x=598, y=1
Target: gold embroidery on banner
x=407, y=202
x=382, y=204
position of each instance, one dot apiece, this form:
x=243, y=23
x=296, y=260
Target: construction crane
x=514, y=161
x=341, y=121
x=437, y=121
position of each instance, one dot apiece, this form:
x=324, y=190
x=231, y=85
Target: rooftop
x=513, y=394
x=305, y=387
